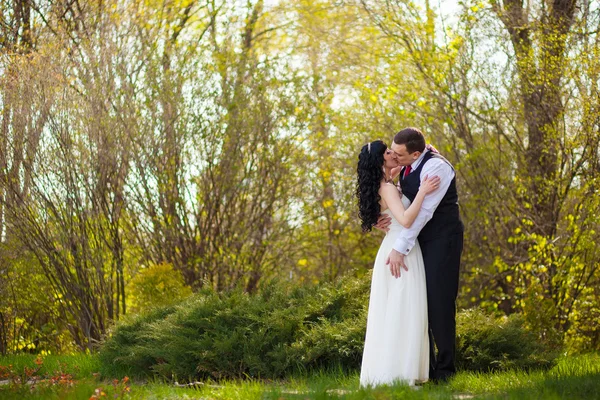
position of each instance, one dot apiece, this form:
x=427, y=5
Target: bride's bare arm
x=392, y=199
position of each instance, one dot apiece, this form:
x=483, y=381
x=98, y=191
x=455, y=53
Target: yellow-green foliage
x=157, y=285
x=229, y=150
x=30, y=317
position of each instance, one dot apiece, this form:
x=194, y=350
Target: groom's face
x=404, y=157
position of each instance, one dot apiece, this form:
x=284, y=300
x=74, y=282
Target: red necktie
x=407, y=171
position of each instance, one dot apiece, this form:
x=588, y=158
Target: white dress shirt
x=434, y=166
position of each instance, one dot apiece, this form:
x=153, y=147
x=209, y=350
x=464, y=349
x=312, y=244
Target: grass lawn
x=76, y=377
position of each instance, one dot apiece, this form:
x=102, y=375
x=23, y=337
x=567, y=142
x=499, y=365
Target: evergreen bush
x=285, y=329
x=487, y=343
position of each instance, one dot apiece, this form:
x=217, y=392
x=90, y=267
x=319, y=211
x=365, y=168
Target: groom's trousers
x=441, y=257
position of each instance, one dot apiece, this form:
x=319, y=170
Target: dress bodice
x=395, y=225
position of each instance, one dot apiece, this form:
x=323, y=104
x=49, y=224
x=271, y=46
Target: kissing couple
x=411, y=324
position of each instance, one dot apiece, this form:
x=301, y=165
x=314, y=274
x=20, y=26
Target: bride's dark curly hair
x=370, y=173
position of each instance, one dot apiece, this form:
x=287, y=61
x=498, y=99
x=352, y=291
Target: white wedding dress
x=396, y=343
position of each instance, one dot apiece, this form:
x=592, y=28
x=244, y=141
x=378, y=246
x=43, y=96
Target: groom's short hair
x=412, y=138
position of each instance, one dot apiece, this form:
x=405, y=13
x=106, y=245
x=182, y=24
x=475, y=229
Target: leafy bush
x=487, y=343
x=159, y=284
x=285, y=329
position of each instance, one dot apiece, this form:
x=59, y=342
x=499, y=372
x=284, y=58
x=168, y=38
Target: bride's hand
x=429, y=185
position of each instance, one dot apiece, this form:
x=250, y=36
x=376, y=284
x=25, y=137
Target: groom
x=440, y=233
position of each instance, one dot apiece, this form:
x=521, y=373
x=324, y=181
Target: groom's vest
x=446, y=218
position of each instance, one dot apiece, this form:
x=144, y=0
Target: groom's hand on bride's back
x=383, y=223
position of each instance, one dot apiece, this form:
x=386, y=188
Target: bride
x=396, y=343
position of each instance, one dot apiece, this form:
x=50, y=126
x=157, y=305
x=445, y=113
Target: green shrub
x=128, y=350
x=487, y=343
x=284, y=329
x=234, y=335
x=157, y=284
x=330, y=344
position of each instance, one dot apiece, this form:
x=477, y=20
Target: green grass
x=78, y=365
x=572, y=378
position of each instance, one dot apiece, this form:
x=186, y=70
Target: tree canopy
x=218, y=140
